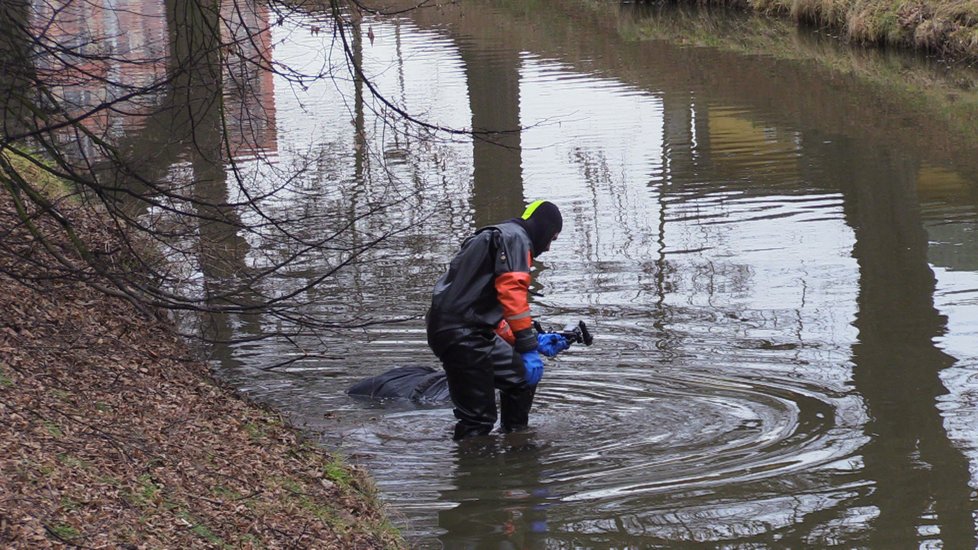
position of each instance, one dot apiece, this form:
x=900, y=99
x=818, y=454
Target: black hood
x=542, y=221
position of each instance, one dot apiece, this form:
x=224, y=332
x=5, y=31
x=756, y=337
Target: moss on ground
x=33, y=169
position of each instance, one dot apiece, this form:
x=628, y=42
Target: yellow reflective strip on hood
x=530, y=209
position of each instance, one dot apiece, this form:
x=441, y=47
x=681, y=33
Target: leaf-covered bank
x=112, y=435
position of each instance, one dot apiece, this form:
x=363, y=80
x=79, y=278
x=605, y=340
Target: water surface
x=777, y=260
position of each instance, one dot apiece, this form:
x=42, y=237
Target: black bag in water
x=418, y=383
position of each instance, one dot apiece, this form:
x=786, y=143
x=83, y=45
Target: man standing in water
x=480, y=327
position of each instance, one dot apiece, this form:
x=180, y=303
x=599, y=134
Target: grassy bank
x=113, y=435
x=945, y=27
x=948, y=27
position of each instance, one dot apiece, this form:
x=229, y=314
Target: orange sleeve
x=511, y=289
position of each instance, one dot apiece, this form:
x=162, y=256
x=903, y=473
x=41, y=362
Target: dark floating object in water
x=424, y=384
x=419, y=383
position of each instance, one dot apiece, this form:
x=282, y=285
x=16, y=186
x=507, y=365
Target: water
x=776, y=259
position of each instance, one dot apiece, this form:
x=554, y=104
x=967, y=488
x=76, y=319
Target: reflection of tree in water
x=913, y=466
x=189, y=176
x=493, y=83
x=921, y=480
x=16, y=71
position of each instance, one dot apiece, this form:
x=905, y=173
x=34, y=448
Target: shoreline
x=948, y=28
x=115, y=435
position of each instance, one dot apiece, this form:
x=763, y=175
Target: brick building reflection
x=108, y=61
x=249, y=88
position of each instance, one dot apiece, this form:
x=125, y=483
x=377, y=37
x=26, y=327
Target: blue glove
x=551, y=344
x=534, y=367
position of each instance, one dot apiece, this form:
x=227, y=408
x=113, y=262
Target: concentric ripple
x=629, y=451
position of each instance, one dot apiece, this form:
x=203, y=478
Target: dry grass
x=824, y=13
x=947, y=27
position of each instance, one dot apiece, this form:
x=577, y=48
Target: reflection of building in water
x=249, y=90
x=97, y=53
x=111, y=57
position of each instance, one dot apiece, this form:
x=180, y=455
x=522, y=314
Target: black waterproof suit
x=487, y=282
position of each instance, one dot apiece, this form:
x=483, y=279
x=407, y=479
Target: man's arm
x=512, y=289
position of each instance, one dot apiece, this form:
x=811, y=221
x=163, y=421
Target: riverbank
x=941, y=98
x=948, y=28
x=112, y=434
x=945, y=27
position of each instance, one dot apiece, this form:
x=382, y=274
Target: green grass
x=338, y=472
x=38, y=174
x=53, y=429
x=149, y=491
x=73, y=462
x=69, y=504
x=946, y=26
x=256, y=432
x=64, y=531
x=146, y=494
x=60, y=394
x=202, y=530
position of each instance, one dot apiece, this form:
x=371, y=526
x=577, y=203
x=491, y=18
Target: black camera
x=574, y=334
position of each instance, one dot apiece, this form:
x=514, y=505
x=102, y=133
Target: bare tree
x=153, y=117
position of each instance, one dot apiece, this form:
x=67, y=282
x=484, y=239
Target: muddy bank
x=112, y=434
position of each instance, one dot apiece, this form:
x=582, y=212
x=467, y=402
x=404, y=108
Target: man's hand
x=534, y=367
x=551, y=344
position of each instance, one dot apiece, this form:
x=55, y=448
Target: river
x=776, y=255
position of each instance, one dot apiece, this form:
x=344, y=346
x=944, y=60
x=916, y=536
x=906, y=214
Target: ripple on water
x=630, y=444
x=640, y=434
